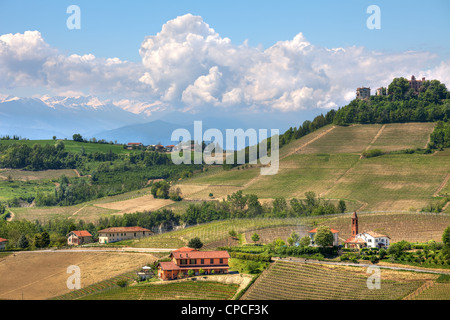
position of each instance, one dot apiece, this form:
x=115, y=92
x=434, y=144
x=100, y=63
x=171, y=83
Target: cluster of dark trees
x=402, y=104
x=110, y=173
x=440, y=137
x=38, y=157
x=79, y=138
x=248, y=206
x=25, y=234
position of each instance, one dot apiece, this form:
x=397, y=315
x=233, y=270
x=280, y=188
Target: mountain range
x=45, y=117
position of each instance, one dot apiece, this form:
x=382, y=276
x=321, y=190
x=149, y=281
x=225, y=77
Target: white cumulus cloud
x=189, y=66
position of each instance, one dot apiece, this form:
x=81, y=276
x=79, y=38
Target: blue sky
x=117, y=28
x=220, y=57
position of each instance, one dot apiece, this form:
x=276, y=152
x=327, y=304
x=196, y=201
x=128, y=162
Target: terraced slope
x=299, y=281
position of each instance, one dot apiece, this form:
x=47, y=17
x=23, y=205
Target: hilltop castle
x=363, y=93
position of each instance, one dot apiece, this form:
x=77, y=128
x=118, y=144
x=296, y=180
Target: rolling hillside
x=328, y=162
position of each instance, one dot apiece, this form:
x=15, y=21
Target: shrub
x=372, y=153
x=122, y=283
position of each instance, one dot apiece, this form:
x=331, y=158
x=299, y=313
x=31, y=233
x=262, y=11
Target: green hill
x=328, y=162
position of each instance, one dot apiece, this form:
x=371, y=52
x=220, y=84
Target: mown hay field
x=43, y=275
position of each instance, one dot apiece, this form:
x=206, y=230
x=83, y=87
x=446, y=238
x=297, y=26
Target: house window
x=202, y=261
x=221, y=261
x=183, y=261
x=211, y=261
x=193, y=261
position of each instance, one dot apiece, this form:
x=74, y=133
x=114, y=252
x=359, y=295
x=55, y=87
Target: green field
x=23, y=189
x=73, y=146
x=328, y=162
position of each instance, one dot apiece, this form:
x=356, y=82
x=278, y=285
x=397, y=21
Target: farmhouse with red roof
x=185, y=259
x=3, y=243
x=122, y=233
x=335, y=233
x=75, y=238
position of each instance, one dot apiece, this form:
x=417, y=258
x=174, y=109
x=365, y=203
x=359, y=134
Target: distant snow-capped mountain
x=41, y=118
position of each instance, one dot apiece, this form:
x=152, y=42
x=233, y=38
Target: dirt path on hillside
x=442, y=185
x=11, y=216
x=144, y=203
x=309, y=142
x=376, y=137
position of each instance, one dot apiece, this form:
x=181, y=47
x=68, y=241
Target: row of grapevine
x=190, y=290
x=299, y=281
x=96, y=287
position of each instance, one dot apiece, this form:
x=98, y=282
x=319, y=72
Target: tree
x=42, y=240
x=446, y=237
x=295, y=237
x=446, y=242
x=77, y=137
x=341, y=206
x=175, y=195
x=255, y=237
x=237, y=201
x=324, y=236
x=305, y=241
x=160, y=189
x=191, y=273
x=195, y=243
x=23, y=242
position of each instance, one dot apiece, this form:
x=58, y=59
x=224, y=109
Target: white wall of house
x=109, y=237
x=374, y=242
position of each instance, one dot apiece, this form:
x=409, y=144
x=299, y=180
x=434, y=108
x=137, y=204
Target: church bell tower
x=354, y=224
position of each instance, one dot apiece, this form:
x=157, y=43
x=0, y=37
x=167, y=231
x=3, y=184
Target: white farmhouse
x=373, y=239
x=367, y=239
x=122, y=233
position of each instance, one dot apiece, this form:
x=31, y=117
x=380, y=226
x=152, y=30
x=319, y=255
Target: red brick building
x=185, y=259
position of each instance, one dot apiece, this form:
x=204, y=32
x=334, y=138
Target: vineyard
x=412, y=227
x=96, y=287
x=438, y=291
x=300, y=281
x=212, y=232
x=182, y=290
